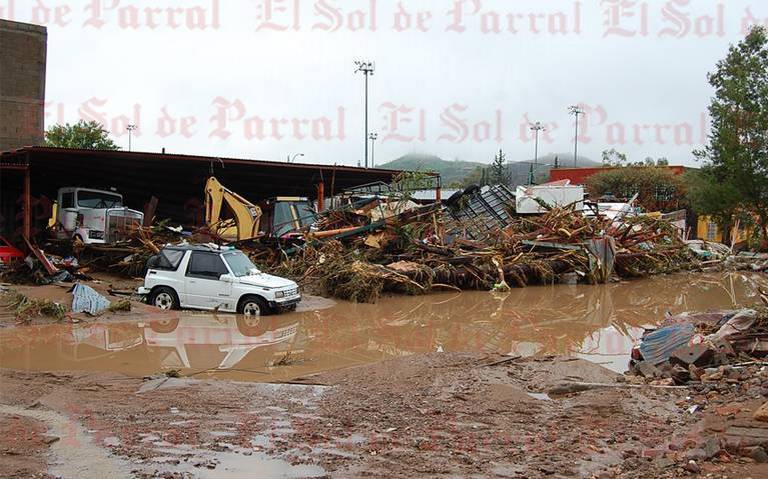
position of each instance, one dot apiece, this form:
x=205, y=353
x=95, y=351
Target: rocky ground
x=441, y=414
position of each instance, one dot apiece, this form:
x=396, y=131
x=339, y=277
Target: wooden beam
x=320, y=196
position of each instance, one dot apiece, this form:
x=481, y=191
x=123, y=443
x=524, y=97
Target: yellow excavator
x=246, y=216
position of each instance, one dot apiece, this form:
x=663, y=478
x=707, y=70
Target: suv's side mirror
x=227, y=278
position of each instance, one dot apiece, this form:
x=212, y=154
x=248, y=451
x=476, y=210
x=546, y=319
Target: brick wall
x=23, y=49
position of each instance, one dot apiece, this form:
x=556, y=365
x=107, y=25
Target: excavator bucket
x=246, y=215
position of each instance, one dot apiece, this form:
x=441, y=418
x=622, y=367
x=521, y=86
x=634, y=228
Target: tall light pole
x=576, y=110
x=130, y=129
x=366, y=68
x=373, y=137
x=536, y=128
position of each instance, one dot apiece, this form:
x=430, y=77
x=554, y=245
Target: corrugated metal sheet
x=86, y=300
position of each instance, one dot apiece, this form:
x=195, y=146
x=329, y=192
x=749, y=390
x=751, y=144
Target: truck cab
x=285, y=216
x=94, y=216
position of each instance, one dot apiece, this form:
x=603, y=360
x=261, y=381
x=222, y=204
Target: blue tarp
x=86, y=299
x=657, y=346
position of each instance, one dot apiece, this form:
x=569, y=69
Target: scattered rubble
x=689, y=347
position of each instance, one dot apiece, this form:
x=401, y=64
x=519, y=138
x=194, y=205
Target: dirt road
x=441, y=414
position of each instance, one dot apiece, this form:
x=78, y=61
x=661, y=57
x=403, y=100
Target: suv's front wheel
x=164, y=298
x=253, y=306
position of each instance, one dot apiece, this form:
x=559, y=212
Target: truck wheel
x=252, y=326
x=164, y=298
x=165, y=326
x=253, y=306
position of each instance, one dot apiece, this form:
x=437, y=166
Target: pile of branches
x=26, y=308
x=345, y=274
x=416, y=255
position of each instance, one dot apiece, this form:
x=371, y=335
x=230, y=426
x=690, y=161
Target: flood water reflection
x=599, y=323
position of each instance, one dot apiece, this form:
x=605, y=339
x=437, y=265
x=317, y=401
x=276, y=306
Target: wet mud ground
x=410, y=387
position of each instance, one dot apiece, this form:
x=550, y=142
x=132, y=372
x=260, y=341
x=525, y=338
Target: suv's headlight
x=279, y=294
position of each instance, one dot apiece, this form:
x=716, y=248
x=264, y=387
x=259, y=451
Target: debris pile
x=702, y=347
x=75, y=260
x=747, y=261
x=428, y=248
x=26, y=308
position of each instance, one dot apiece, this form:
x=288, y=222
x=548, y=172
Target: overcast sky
x=459, y=79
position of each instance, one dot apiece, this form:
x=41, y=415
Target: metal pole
x=373, y=151
x=576, y=110
x=366, y=68
x=366, y=120
x=130, y=129
x=536, y=148
x=576, y=142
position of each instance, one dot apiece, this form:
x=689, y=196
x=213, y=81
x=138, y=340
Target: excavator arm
x=247, y=215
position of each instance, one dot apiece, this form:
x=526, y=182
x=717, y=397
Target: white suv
x=211, y=277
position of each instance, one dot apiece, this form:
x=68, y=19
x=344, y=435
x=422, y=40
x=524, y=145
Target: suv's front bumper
x=286, y=304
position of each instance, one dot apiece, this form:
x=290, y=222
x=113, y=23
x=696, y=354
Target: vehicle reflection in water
x=599, y=323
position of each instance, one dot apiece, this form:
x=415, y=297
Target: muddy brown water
x=599, y=323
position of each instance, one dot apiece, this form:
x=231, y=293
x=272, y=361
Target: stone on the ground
x=762, y=413
x=759, y=455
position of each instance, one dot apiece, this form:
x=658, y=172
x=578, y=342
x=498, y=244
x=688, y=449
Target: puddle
x=540, y=396
x=236, y=466
x=598, y=323
x=74, y=455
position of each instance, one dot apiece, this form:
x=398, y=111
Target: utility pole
x=373, y=137
x=576, y=110
x=366, y=68
x=536, y=128
x=130, y=129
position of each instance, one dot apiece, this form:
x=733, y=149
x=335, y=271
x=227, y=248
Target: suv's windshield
x=96, y=199
x=239, y=263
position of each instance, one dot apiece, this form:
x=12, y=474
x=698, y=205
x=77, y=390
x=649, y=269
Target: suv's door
x=202, y=286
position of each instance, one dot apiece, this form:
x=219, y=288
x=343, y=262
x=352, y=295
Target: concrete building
x=23, y=50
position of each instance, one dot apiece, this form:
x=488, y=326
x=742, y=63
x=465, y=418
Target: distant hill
x=450, y=171
x=457, y=171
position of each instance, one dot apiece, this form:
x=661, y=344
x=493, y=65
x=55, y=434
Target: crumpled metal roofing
x=86, y=299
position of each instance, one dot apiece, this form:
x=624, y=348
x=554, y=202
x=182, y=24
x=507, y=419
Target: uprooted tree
x=83, y=134
x=734, y=176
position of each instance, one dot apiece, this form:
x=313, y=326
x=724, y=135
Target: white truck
x=94, y=216
x=210, y=277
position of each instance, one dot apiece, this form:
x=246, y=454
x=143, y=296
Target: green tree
x=88, y=135
x=499, y=169
x=658, y=188
x=614, y=158
x=734, y=177
x=707, y=196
